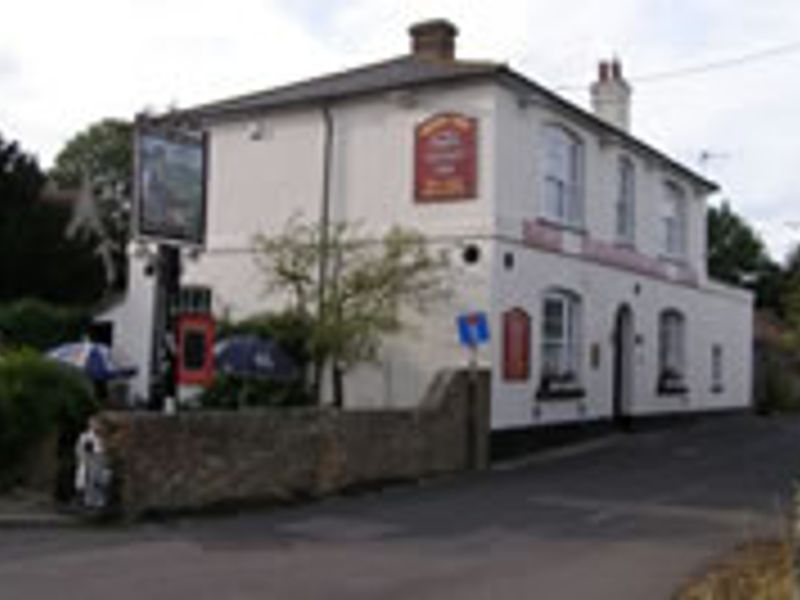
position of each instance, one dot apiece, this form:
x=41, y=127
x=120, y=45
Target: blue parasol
x=96, y=360
x=252, y=356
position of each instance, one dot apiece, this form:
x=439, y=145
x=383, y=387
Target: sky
x=64, y=65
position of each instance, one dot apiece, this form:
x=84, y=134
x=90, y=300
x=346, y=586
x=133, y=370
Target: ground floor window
x=560, y=348
x=671, y=352
x=716, y=368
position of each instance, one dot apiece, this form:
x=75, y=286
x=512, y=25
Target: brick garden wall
x=201, y=459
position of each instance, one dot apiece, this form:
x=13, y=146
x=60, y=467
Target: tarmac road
x=629, y=516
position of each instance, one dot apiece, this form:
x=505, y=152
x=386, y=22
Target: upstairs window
x=563, y=177
x=671, y=352
x=626, y=201
x=673, y=222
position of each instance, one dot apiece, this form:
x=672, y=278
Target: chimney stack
x=434, y=40
x=611, y=95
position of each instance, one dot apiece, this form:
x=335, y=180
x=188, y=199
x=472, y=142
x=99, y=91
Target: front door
x=623, y=366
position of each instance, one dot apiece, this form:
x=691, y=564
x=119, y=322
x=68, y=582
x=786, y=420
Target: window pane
x=554, y=320
x=560, y=335
x=716, y=364
x=674, y=208
x=552, y=354
x=625, y=200
x=554, y=198
x=671, y=342
x=563, y=174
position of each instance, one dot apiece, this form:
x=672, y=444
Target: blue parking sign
x=473, y=329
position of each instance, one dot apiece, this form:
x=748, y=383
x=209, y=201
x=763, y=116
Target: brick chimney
x=434, y=39
x=611, y=95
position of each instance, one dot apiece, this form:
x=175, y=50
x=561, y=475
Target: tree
x=36, y=258
x=21, y=180
x=737, y=255
x=102, y=157
x=352, y=290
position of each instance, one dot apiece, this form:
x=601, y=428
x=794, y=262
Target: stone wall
x=202, y=459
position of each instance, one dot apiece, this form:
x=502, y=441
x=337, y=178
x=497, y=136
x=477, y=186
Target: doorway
x=623, y=367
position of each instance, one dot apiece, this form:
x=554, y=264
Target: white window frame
x=561, y=352
x=672, y=344
x=563, y=183
x=626, y=201
x=674, y=224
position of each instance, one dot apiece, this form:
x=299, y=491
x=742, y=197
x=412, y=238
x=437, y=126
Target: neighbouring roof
x=402, y=73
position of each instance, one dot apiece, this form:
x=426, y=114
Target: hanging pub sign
x=170, y=185
x=445, y=157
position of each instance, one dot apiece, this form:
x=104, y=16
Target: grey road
x=626, y=517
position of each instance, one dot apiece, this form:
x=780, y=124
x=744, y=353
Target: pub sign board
x=516, y=345
x=170, y=186
x=445, y=158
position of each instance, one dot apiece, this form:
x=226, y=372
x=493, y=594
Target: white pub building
x=585, y=246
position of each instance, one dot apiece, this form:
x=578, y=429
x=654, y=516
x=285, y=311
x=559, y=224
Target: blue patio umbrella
x=253, y=356
x=95, y=360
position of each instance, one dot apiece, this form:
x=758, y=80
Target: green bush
x=229, y=392
x=780, y=394
x=37, y=324
x=38, y=397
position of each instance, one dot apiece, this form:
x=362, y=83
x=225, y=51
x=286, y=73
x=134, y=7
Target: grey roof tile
x=399, y=73
x=386, y=75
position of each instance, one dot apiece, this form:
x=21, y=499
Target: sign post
x=473, y=331
x=170, y=212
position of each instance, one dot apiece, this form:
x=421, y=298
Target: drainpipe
x=325, y=218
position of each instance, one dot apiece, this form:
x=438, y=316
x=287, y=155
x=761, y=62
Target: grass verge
x=758, y=570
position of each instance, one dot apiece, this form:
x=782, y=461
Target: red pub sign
x=516, y=345
x=446, y=158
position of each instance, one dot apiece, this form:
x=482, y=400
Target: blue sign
x=473, y=329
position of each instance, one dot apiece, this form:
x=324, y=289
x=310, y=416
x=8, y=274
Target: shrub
x=780, y=393
x=38, y=397
x=37, y=324
x=231, y=392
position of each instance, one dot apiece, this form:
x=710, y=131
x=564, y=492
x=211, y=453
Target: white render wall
x=133, y=326
x=712, y=316
x=518, y=164
x=256, y=185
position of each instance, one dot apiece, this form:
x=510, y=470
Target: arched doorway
x=623, y=366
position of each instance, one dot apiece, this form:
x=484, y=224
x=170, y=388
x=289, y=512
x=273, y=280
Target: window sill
x=578, y=228
x=678, y=261
x=625, y=244
x=672, y=389
x=562, y=392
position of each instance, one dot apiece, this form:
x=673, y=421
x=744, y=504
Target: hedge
x=38, y=397
x=37, y=324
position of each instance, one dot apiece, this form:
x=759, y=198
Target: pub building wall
x=258, y=182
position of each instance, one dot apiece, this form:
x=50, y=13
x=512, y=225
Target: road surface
x=630, y=516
